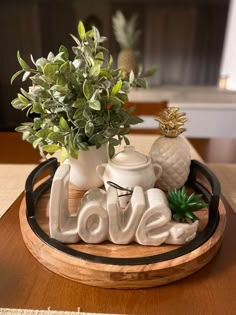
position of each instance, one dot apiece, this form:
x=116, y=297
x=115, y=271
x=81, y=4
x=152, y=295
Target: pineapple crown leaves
x=78, y=101
x=125, y=31
x=182, y=205
x=171, y=122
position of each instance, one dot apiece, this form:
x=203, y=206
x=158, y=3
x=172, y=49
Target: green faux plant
x=78, y=102
x=184, y=206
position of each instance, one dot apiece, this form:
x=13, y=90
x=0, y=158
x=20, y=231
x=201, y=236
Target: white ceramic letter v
x=124, y=222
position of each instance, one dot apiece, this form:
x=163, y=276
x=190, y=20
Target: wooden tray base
x=97, y=273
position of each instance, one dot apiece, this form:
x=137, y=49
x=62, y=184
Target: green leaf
x=96, y=34
x=32, y=59
x=97, y=138
x=83, y=146
x=41, y=62
x=99, y=121
x=43, y=133
x=22, y=128
x=116, y=88
x=36, y=142
x=50, y=148
x=79, y=103
x=50, y=57
x=89, y=34
x=37, y=108
x=123, y=97
x=77, y=42
x=133, y=120
x=96, y=105
x=61, y=80
x=124, y=131
x=65, y=52
x=95, y=70
x=89, y=128
x=81, y=30
x=115, y=100
x=37, y=123
x=105, y=73
x=63, y=154
x=87, y=114
x=65, y=67
x=78, y=114
x=23, y=99
x=114, y=141
x=191, y=216
x=74, y=153
x=126, y=140
x=184, y=192
x=177, y=216
x=111, y=132
x=26, y=94
x=142, y=82
x=87, y=89
x=111, y=150
x=55, y=137
x=62, y=89
x=63, y=124
x=50, y=71
x=39, y=81
x=110, y=60
x=16, y=75
x=80, y=123
x=25, y=135
x=59, y=58
x=22, y=62
x=99, y=57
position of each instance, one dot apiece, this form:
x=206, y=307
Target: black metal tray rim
x=32, y=196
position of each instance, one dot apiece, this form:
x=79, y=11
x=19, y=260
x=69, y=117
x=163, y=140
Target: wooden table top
x=26, y=284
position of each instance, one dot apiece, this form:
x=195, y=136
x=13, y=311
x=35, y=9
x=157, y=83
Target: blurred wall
x=182, y=38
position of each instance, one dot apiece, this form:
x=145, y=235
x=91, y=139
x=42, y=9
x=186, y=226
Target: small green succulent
x=182, y=205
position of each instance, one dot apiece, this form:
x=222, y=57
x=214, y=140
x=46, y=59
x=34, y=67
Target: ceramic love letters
x=146, y=219
x=130, y=168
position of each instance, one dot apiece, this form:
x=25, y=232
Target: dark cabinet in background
x=184, y=39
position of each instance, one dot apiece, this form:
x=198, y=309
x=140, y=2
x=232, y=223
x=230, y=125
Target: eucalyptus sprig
x=76, y=102
x=182, y=205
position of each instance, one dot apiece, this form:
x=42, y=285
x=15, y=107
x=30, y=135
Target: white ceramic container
x=83, y=175
x=130, y=168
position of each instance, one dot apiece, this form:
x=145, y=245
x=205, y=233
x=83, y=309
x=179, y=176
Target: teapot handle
x=157, y=170
x=100, y=169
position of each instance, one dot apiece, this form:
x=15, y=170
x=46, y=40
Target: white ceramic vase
x=83, y=175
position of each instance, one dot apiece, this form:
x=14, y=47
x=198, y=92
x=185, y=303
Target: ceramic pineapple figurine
x=127, y=36
x=171, y=150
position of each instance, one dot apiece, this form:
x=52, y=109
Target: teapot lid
x=129, y=157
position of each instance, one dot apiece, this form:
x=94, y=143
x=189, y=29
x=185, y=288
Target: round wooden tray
x=120, y=266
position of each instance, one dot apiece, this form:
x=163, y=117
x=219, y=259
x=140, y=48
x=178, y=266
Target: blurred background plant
x=127, y=36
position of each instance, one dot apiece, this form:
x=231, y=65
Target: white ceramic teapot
x=130, y=168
